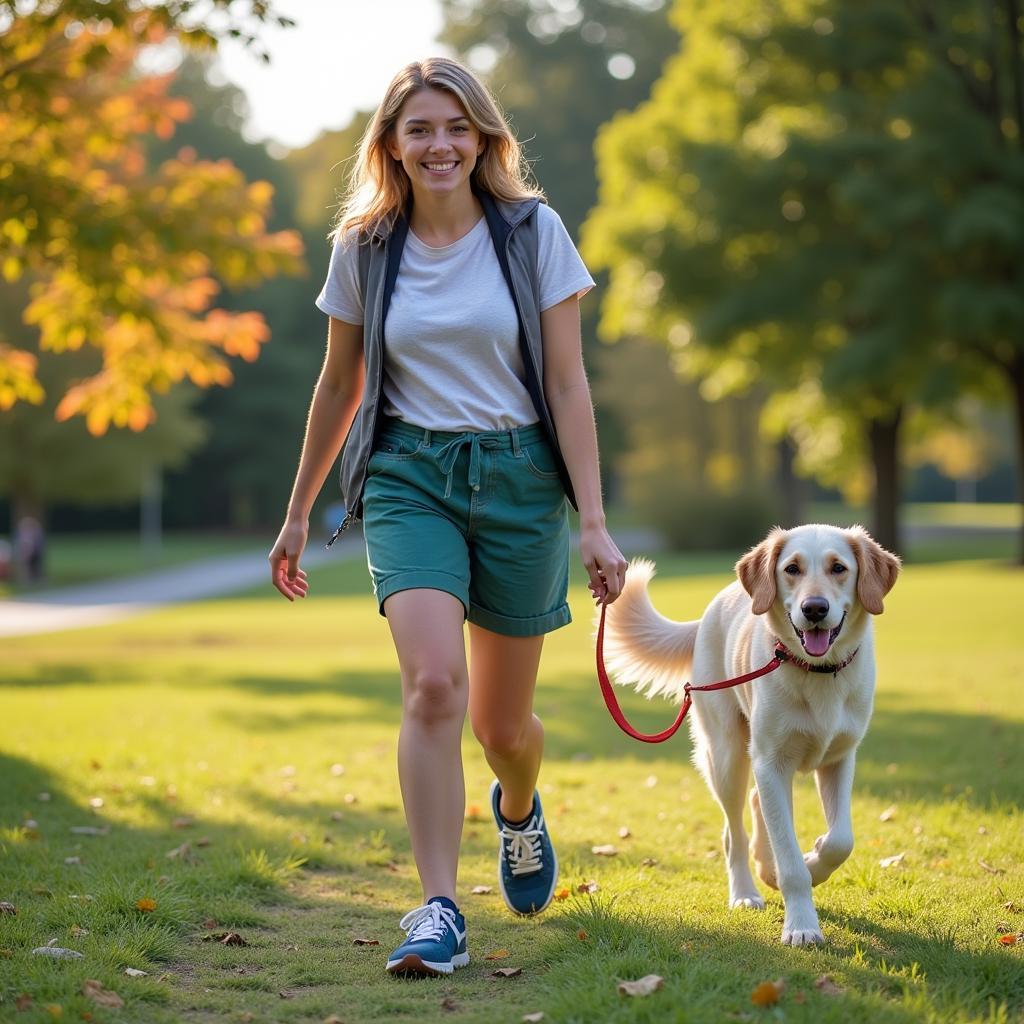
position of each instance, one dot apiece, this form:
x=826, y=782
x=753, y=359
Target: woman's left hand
x=604, y=563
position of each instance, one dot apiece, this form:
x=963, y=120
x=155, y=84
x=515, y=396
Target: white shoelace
x=428, y=922
x=522, y=848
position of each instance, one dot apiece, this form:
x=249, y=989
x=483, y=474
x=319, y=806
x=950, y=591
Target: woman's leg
x=427, y=629
x=502, y=678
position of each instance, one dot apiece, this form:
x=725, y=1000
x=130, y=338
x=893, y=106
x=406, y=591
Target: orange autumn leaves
x=123, y=258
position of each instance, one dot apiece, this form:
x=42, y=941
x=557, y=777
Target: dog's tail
x=641, y=646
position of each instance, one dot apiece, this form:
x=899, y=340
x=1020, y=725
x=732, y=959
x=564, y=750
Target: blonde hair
x=379, y=188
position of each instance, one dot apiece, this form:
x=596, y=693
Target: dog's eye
x=838, y=569
x=792, y=569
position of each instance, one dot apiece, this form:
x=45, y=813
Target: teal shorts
x=481, y=516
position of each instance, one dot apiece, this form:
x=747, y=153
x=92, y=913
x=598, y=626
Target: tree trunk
x=1015, y=370
x=883, y=440
x=791, y=488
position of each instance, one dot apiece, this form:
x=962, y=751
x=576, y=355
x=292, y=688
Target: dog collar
x=783, y=653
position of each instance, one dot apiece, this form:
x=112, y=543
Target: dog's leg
x=727, y=770
x=760, y=847
x=835, y=786
x=775, y=788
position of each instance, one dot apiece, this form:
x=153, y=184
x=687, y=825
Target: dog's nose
x=814, y=608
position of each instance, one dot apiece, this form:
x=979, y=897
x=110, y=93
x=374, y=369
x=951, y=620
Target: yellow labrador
x=814, y=588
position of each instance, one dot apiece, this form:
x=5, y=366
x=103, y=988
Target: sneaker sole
x=413, y=965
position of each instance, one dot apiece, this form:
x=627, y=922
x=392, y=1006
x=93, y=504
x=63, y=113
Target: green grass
x=218, y=725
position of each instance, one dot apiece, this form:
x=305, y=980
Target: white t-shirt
x=451, y=339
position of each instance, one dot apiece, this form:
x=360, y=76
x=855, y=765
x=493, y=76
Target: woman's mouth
x=439, y=167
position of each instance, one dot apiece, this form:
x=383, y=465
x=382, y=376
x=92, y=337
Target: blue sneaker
x=527, y=865
x=435, y=943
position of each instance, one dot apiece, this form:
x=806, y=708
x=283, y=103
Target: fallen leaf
x=337, y=816
x=473, y=812
x=72, y=860
x=888, y=814
x=7, y=954
x=1014, y=906
x=146, y=905
x=768, y=993
x=291, y=949
x=1003, y=940
x=351, y=798
x=366, y=942
x=101, y=996
x=8, y=908
x=590, y=886
x=642, y=986
x=226, y=939
x=183, y=852
x=203, y=841
x=96, y=802
x=498, y=954
x=23, y=1002
x=1003, y=927
x=506, y=972
x=561, y=894
x=650, y=782
x=285, y=994
x=55, y=1010
x=827, y=986
x=607, y=850
x=44, y=797
x=483, y=890
x=582, y=935
x=333, y=1019
x=648, y=862
x=799, y=997
x=134, y=972
x=183, y=822
x=90, y=830
x=449, y=1004
x=77, y=933
x=210, y=922
x=991, y=869
x=624, y=833
x=893, y=861
x=533, y=1018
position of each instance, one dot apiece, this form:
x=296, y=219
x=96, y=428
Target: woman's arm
x=335, y=401
x=568, y=397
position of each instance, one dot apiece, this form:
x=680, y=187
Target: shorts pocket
x=540, y=460
x=393, y=447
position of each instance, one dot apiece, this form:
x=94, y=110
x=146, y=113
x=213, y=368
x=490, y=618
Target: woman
x=467, y=424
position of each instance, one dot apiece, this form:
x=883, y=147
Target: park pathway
x=96, y=604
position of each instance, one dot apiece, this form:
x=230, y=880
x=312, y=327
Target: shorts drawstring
x=448, y=454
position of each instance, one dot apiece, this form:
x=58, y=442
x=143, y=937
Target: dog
x=815, y=589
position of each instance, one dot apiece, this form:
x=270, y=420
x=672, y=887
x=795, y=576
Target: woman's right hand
x=285, y=573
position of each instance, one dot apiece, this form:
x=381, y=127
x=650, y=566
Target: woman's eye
x=792, y=569
x=838, y=569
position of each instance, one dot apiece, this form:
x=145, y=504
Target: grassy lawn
x=238, y=759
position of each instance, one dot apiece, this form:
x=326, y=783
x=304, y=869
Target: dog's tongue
x=816, y=641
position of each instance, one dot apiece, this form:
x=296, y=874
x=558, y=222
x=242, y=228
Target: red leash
x=781, y=655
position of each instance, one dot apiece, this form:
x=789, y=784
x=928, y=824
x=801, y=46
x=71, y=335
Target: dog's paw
x=802, y=937
x=755, y=902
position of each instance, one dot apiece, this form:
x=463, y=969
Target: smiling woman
x=454, y=366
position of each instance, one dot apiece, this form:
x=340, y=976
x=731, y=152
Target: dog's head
x=814, y=578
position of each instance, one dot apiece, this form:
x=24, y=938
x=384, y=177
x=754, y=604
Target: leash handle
x=608, y=690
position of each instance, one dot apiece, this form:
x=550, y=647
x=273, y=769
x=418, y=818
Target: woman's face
x=436, y=142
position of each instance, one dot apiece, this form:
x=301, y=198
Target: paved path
x=95, y=604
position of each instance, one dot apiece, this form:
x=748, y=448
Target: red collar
x=783, y=653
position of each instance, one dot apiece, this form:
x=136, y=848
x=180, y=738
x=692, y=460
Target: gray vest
x=514, y=233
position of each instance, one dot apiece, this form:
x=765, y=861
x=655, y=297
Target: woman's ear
x=877, y=569
x=756, y=571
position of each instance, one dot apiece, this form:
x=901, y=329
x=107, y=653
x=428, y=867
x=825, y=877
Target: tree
x=783, y=210
x=121, y=258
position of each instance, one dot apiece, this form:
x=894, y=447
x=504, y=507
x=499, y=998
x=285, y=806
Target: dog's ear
x=877, y=569
x=756, y=570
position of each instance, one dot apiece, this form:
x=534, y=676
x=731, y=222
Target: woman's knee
x=434, y=695
x=507, y=740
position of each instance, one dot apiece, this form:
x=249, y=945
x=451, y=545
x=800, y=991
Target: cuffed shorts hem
x=422, y=579
x=532, y=625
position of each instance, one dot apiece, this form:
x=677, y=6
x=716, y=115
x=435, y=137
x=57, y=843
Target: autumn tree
x=123, y=260
x=802, y=203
